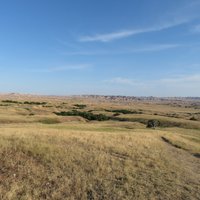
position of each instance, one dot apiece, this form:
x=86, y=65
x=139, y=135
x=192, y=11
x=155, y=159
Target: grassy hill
x=48, y=156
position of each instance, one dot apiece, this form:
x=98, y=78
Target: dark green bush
x=86, y=115
x=116, y=114
x=153, y=123
x=193, y=118
x=80, y=106
x=25, y=102
x=35, y=103
x=123, y=111
x=10, y=101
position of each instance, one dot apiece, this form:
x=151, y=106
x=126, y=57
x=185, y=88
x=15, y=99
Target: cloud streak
x=178, y=79
x=125, y=82
x=180, y=16
x=158, y=47
x=127, y=33
x=64, y=68
x=170, y=86
x=120, y=80
x=183, y=79
x=196, y=29
x=150, y=48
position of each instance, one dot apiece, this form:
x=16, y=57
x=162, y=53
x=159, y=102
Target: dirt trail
x=187, y=161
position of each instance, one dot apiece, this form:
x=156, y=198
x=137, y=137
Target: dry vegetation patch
x=49, y=156
x=45, y=163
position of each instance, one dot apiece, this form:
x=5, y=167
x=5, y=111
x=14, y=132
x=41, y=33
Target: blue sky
x=110, y=47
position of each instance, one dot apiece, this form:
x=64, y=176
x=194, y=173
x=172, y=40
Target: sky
x=103, y=47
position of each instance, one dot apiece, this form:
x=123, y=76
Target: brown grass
x=49, y=157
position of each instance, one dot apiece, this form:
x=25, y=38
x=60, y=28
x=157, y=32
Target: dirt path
x=188, y=165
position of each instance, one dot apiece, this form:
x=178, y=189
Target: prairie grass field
x=95, y=148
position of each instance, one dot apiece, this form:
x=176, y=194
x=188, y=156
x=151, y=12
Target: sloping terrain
x=46, y=156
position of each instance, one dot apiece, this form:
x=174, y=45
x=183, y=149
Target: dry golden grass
x=44, y=156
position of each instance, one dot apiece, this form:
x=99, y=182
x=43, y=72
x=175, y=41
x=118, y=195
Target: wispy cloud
x=196, y=28
x=127, y=33
x=178, y=85
x=63, y=68
x=157, y=47
x=178, y=79
x=182, y=79
x=86, y=53
x=148, y=48
x=124, y=81
x=180, y=16
x=111, y=36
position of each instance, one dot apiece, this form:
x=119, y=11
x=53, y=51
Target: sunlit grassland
x=44, y=156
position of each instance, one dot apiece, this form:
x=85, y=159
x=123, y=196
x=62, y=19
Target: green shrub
x=80, y=106
x=25, y=102
x=11, y=101
x=35, y=103
x=116, y=114
x=123, y=111
x=87, y=115
x=153, y=123
x=193, y=118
